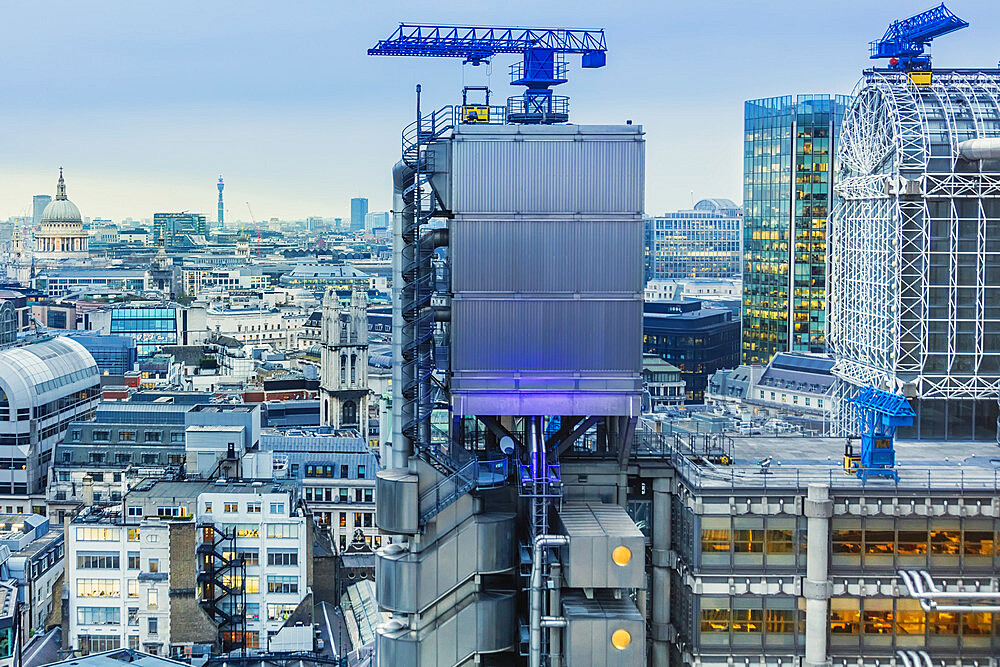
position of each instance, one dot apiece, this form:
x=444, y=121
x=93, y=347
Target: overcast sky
x=146, y=103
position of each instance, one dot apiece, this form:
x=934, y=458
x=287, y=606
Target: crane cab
x=852, y=458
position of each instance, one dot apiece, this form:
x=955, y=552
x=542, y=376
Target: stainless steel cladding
x=548, y=169
x=606, y=549
x=546, y=265
x=603, y=631
x=396, y=501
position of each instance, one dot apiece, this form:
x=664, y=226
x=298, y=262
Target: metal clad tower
x=221, y=209
x=914, y=243
x=517, y=331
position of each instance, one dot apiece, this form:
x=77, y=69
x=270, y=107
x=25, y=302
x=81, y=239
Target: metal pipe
x=553, y=621
x=541, y=543
x=435, y=238
x=926, y=657
x=979, y=149
x=905, y=658
x=914, y=581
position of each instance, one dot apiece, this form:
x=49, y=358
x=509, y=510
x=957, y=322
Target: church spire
x=61, y=187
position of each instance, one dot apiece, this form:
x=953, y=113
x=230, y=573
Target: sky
x=145, y=104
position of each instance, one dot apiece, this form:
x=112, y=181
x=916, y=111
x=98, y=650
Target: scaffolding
x=913, y=240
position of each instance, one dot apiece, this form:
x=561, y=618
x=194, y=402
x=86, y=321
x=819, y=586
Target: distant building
x=697, y=340
x=359, y=209
x=35, y=562
x=342, y=278
x=375, y=221
x=662, y=383
x=61, y=234
x=62, y=281
x=789, y=169
x=337, y=475
x=701, y=243
x=344, y=367
x=38, y=204
x=43, y=387
x=134, y=579
x=171, y=227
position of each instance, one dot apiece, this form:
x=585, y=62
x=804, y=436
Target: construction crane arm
x=478, y=43
x=905, y=40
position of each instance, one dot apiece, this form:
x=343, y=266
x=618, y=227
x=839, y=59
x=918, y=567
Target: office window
x=133, y=560
x=208, y=508
x=280, y=612
x=152, y=599
x=282, y=558
x=101, y=435
x=361, y=472
x=368, y=496
x=133, y=588
x=343, y=520
x=154, y=436
x=154, y=625
x=98, y=561
x=154, y=564
x=98, y=615
x=126, y=436
x=98, y=588
x=133, y=616
x=231, y=507
x=133, y=534
x=253, y=508
x=344, y=495
x=343, y=472
x=715, y=540
x=282, y=530
x=96, y=534
x=282, y=584
x=357, y=519
x=277, y=508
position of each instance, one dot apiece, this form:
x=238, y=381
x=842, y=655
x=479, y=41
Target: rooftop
x=117, y=658
x=797, y=461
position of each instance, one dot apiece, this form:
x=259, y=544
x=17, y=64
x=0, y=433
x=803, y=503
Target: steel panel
x=546, y=255
x=396, y=501
x=574, y=336
x=571, y=169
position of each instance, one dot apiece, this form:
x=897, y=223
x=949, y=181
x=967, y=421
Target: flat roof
x=797, y=461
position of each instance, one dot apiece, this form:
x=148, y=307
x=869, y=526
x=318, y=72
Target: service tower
x=516, y=340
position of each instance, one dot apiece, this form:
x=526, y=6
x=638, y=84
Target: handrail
x=448, y=490
x=648, y=445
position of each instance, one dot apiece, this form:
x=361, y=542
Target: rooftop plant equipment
x=543, y=65
x=878, y=414
x=904, y=41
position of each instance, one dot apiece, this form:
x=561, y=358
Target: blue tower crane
x=878, y=414
x=543, y=64
x=904, y=41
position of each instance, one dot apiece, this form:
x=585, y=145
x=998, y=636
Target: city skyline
x=145, y=122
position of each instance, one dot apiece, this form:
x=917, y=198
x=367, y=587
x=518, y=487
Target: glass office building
x=701, y=243
x=789, y=154
x=151, y=328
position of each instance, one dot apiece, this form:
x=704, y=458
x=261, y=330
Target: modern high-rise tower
x=788, y=167
x=359, y=208
x=222, y=216
x=38, y=204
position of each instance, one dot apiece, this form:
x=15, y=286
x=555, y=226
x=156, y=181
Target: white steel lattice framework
x=914, y=240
